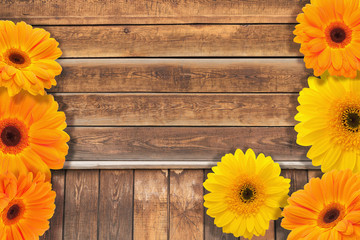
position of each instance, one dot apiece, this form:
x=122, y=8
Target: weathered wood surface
x=150, y=12
x=160, y=109
x=176, y=40
x=115, y=220
x=185, y=143
x=56, y=222
x=182, y=75
x=151, y=204
x=186, y=205
x=81, y=205
x=167, y=205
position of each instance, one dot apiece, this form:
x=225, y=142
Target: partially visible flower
x=327, y=208
x=246, y=192
x=27, y=58
x=26, y=204
x=329, y=116
x=31, y=134
x=328, y=32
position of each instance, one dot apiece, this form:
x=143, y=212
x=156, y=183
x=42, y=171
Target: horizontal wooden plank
x=145, y=12
x=169, y=164
x=176, y=40
x=183, y=143
x=182, y=75
x=139, y=109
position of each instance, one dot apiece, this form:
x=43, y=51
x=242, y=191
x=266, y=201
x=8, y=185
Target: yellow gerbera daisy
x=329, y=116
x=329, y=33
x=327, y=208
x=246, y=192
x=27, y=58
x=26, y=204
x=31, y=134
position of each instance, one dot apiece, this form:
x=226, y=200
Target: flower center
x=10, y=136
x=338, y=35
x=331, y=215
x=344, y=121
x=13, y=135
x=351, y=119
x=246, y=196
x=13, y=212
x=16, y=58
x=247, y=193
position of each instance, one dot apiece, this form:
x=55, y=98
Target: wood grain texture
x=185, y=143
x=151, y=204
x=211, y=231
x=115, y=220
x=81, y=204
x=56, y=222
x=176, y=40
x=186, y=205
x=150, y=12
x=298, y=179
x=139, y=109
x=314, y=174
x=182, y=75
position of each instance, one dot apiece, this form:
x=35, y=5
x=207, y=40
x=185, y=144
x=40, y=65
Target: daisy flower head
x=329, y=122
x=246, y=192
x=26, y=205
x=27, y=58
x=31, y=134
x=327, y=208
x=329, y=34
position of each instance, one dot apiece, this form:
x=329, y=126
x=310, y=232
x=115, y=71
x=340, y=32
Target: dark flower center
x=13, y=212
x=331, y=215
x=338, y=35
x=10, y=136
x=353, y=120
x=17, y=58
x=247, y=193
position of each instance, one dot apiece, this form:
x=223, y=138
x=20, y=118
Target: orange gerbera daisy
x=327, y=208
x=31, y=134
x=27, y=58
x=329, y=34
x=26, y=204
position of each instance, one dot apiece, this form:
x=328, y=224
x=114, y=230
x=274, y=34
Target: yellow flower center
x=331, y=215
x=345, y=121
x=13, y=135
x=16, y=58
x=13, y=212
x=338, y=35
x=246, y=196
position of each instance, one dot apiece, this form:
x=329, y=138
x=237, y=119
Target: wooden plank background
x=163, y=80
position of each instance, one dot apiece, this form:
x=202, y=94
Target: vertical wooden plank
x=151, y=204
x=116, y=204
x=211, y=231
x=298, y=179
x=81, y=204
x=314, y=174
x=56, y=222
x=186, y=205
